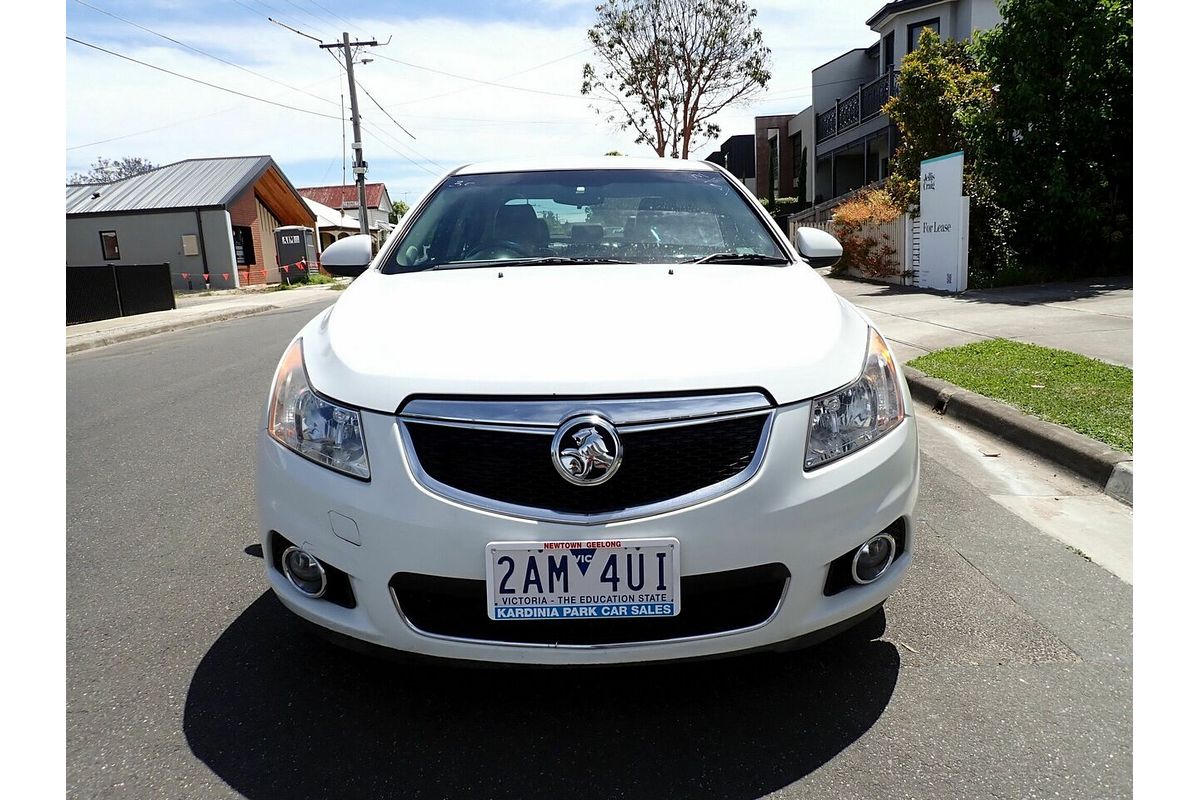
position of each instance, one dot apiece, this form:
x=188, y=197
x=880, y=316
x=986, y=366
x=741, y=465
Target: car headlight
x=312, y=426
x=856, y=415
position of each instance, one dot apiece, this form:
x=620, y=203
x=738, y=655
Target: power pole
x=360, y=166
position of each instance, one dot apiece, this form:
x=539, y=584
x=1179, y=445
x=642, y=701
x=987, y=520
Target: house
x=849, y=141
x=345, y=200
x=332, y=224
x=202, y=216
x=737, y=156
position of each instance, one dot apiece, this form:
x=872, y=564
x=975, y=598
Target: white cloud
x=108, y=97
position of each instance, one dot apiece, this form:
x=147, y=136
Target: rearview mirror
x=817, y=247
x=348, y=257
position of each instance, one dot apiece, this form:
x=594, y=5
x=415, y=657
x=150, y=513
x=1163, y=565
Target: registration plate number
x=604, y=579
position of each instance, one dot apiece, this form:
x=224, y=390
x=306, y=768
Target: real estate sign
x=942, y=235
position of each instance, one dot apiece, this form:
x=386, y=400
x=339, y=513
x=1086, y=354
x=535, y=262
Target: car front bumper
x=783, y=515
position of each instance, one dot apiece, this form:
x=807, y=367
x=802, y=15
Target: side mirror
x=348, y=257
x=817, y=247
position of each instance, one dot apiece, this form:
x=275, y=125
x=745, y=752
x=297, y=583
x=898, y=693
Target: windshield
x=583, y=215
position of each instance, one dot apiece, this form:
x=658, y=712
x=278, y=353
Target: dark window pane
x=108, y=243
x=243, y=245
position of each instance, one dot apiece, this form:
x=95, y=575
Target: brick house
x=213, y=217
x=345, y=199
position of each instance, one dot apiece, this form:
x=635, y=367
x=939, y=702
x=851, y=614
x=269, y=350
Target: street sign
x=944, y=223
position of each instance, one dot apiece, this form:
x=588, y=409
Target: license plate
x=605, y=579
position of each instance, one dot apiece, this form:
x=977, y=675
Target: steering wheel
x=502, y=248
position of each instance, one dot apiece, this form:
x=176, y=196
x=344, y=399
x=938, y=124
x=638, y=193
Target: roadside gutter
x=1110, y=469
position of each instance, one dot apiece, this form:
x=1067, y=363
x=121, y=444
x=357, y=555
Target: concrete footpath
x=192, y=310
x=1093, y=318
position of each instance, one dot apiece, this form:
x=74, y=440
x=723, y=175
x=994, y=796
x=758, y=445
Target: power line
x=478, y=80
x=503, y=77
x=318, y=20
x=380, y=130
x=384, y=110
x=193, y=118
x=204, y=53
x=373, y=100
x=197, y=80
x=335, y=16
x=266, y=15
x=403, y=155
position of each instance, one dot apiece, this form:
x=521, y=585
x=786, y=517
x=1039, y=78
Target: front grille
x=709, y=604
x=659, y=464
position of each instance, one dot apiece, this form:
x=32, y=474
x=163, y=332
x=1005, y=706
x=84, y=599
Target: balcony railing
x=849, y=112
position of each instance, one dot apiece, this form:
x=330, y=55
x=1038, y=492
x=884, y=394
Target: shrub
x=864, y=246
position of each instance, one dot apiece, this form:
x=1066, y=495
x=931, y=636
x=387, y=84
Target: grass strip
x=1086, y=395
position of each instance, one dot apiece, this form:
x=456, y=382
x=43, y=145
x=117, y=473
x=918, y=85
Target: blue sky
x=116, y=108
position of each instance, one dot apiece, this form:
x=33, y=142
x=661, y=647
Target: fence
x=107, y=291
x=901, y=234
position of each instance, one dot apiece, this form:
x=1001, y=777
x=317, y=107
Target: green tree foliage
x=667, y=67
x=105, y=170
x=399, y=209
x=944, y=98
x=1059, y=147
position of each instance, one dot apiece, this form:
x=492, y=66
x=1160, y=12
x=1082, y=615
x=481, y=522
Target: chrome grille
x=498, y=456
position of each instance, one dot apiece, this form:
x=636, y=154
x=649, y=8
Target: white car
x=587, y=412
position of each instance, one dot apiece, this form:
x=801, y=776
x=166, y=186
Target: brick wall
x=243, y=212
x=762, y=155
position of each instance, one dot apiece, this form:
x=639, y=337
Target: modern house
x=849, y=140
x=345, y=199
x=204, y=216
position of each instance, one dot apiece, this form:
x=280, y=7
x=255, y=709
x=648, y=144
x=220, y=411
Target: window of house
x=889, y=53
x=914, y=31
x=799, y=166
x=773, y=154
x=108, y=243
x=243, y=245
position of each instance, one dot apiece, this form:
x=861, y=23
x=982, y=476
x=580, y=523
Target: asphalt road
x=1001, y=669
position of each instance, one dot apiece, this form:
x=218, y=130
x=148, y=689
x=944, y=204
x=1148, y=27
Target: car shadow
x=277, y=713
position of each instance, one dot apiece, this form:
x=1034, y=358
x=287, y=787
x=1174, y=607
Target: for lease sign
x=942, y=235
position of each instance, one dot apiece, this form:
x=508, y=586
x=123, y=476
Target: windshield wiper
x=526, y=262
x=737, y=258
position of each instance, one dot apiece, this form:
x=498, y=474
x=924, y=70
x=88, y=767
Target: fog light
x=304, y=571
x=873, y=558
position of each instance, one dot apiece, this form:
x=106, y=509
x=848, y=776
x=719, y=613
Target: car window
x=624, y=215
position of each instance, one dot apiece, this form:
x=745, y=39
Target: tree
x=667, y=67
x=104, y=170
x=944, y=99
x=1059, y=149
x=399, y=209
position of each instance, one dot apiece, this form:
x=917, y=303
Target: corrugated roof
x=330, y=217
x=185, y=184
x=343, y=196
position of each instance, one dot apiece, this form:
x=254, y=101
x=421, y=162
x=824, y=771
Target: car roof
x=588, y=163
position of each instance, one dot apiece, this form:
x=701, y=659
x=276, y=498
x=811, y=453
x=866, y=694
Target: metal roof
x=343, y=196
x=198, y=182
